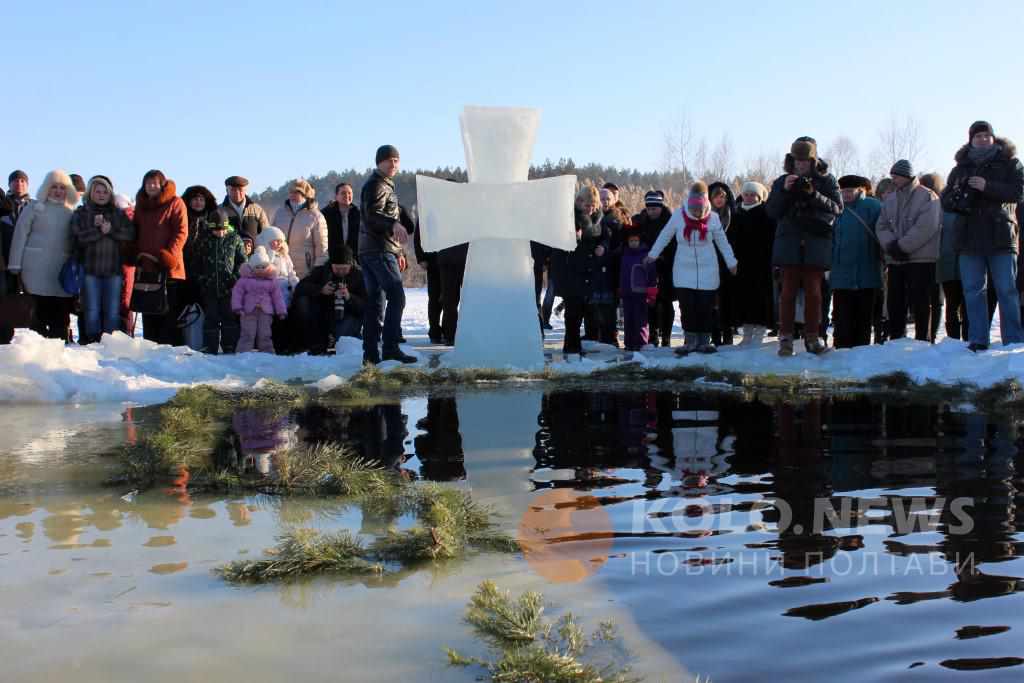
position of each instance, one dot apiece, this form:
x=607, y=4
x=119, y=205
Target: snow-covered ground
x=121, y=369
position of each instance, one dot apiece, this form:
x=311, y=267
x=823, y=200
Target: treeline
x=632, y=181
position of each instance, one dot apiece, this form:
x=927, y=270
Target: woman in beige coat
x=41, y=245
x=304, y=227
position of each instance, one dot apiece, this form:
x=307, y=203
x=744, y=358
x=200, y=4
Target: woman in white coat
x=304, y=226
x=697, y=231
x=41, y=245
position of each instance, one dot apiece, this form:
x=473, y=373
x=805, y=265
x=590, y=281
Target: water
x=699, y=523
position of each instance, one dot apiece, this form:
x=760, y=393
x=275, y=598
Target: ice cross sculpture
x=498, y=212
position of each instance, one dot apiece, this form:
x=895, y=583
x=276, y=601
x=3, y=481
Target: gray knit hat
x=902, y=168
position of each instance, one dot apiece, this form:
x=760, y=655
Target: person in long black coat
x=752, y=236
x=574, y=270
x=724, y=204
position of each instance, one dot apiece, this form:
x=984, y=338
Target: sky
x=272, y=91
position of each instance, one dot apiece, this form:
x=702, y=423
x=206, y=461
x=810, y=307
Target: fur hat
x=980, y=127
x=752, y=186
x=122, y=201
x=386, y=152
x=302, y=187
x=99, y=180
x=699, y=187
x=236, y=181
x=804, y=149
x=902, y=168
x=259, y=258
x=341, y=255
x=854, y=182
x=194, y=191
x=58, y=177
x=268, y=235
x=654, y=198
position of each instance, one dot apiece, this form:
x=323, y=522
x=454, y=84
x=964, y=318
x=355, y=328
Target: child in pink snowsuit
x=256, y=299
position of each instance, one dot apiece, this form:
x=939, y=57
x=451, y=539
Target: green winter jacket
x=217, y=262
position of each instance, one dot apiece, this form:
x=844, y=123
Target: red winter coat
x=162, y=229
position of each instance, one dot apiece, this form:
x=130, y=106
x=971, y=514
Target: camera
x=962, y=198
x=339, y=302
x=803, y=185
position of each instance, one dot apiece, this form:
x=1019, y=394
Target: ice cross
x=498, y=212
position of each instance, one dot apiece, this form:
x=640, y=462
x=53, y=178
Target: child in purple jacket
x=256, y=299
x=637, y=287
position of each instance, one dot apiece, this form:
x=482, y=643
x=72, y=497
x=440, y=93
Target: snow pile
x=122, y=369
x=947, y=362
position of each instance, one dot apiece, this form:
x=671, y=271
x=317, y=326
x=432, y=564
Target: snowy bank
x=126, y=370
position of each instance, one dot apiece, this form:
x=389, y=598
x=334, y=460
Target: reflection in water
x=739, y=515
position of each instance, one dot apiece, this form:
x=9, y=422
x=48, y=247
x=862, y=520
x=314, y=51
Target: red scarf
x=692, y=224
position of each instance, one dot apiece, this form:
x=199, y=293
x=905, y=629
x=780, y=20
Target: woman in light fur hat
x=305, y=228
x=697, y=231
x=41, y=246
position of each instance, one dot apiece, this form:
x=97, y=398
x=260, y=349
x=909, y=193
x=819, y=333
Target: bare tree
x=898, y=140
x=699, y=168
x=678, y=139
x=720, y=165
x=762, y=169
x=843, y=156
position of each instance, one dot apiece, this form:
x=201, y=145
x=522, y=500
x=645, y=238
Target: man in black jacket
x=984, y=189
x=381, y=255
x=342, y=218
x=17, y=199
x=329, y=302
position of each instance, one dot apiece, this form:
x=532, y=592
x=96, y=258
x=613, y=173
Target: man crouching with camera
x=805, y=202
x=329, y=303
x=984, y=189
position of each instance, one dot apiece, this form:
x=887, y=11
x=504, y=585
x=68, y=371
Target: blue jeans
x=383, y=282
x=102, y=304
x=1003, y=267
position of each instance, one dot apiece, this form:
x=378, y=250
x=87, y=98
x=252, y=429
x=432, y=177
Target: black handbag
x=149, y=293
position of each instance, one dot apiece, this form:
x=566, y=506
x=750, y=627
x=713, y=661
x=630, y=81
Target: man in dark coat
x=342, y=218
x=381, y=242
x=985, y=188
x=15, y=202
x=246, y=216
x=805, y=202
x=650, y=222
x=329, y=302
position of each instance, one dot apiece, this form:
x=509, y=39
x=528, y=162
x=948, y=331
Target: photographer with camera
x=909, y=231
x=329, y=303
x=984, y=189
x=805, y=203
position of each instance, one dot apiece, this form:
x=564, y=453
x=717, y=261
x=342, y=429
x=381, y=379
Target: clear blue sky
x=272, y=90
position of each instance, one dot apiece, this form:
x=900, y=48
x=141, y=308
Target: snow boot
x=689, y=344
x=813, y=344
x=785, y=345
x=704, y=344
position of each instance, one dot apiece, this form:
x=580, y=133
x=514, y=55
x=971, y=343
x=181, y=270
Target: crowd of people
x=783, y=261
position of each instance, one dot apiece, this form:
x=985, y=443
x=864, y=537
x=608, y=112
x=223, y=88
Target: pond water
x=728, y=538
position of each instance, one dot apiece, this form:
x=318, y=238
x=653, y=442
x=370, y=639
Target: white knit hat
x=259, y=258
x=268, y=235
